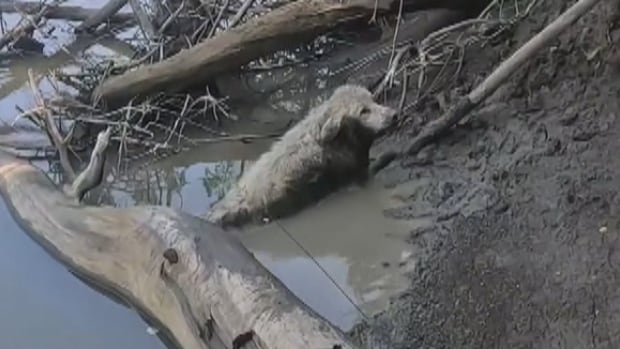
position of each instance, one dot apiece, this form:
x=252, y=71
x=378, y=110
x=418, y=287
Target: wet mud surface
x=522, y=247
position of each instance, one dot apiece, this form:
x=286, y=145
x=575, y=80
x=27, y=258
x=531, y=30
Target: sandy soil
x=524, y=248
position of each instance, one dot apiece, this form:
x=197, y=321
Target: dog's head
x=354, y=105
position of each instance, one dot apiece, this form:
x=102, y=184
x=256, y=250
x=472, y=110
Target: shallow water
x=347, y=236
x=43, y=305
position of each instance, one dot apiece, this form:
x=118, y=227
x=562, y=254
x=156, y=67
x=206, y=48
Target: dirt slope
x=523, y=250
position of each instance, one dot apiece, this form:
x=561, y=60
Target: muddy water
x=362, y=252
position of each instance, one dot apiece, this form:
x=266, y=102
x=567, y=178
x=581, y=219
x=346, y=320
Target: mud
x=522, y=251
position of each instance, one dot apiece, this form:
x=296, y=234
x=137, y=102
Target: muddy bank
x=522, y=251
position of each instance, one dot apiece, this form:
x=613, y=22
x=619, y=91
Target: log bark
x=197, y=282
x=70, y=13
x=282, y=28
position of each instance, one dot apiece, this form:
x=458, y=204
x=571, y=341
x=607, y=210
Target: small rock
x=602, y=229
x=569, y=117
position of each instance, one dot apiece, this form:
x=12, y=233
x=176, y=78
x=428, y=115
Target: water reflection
x=44, y=306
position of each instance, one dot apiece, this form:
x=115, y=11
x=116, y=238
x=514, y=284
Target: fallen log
x=197, y=282
x=279, y=29
x=69, y=13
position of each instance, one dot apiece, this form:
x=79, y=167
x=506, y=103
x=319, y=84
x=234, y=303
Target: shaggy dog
x=324, y=151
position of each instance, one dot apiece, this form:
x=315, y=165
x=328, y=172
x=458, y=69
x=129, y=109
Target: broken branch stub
x=93, y=173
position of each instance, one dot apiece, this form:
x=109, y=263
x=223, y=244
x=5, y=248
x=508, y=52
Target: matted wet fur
x=324, y=151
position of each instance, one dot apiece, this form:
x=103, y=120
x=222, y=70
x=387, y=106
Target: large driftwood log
x=196, y=281
x=280, y=29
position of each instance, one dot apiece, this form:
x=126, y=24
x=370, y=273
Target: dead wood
x=101, y=16
x=279, y=29
x=47, y=123
x=198, y=284
x=93, y=173
x=143, y=19
x=70, y=13
x=242, y=11
x=24, y=27
x=467, y=103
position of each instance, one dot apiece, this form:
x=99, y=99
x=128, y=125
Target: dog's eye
x=365, y=111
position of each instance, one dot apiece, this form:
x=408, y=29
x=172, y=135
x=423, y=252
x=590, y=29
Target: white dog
x=324, y=151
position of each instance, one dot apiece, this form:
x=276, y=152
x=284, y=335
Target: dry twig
x=50, y=127
x=24, y=27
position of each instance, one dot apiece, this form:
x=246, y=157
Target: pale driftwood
x=467, y=103
x=70, y=13
x=281, y=28
x=104, y=14
x=198, y=284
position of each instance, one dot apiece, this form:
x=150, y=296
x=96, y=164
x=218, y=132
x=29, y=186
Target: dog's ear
x=331, y=128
